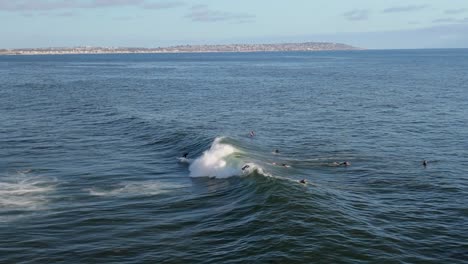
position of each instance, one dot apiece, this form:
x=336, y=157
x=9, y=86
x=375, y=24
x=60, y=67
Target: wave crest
x=223, y=160
x=214, y=162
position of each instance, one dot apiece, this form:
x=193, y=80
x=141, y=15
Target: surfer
x=303, y=181
x=252, y=133
x=185, y=155
x=282, y=164
x=424, y=163
x=276, y=151
x=346, y=163
x=245, y=167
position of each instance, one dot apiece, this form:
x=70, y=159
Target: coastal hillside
x=306, y=46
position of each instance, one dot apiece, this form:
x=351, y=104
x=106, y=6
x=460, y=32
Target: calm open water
x=89, y=168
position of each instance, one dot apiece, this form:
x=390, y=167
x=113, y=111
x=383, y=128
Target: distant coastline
x=282, y=47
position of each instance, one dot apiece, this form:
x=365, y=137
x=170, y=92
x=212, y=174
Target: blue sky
x=375, y=24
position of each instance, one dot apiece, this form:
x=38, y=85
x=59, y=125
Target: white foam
x=212, y=163
x=184, y=160
x=145, y=188
x=255, y=168
x=24, y=191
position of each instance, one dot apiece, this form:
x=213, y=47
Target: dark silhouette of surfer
x=424, y=163
x=346, y=163
x=245, y=167
x=282, y=164
x=303, y=181
x=185, y=155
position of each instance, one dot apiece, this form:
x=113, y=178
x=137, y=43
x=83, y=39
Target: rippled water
x=90, y=167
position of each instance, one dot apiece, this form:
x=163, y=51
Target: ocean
x=91, y=168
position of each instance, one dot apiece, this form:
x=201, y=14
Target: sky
x=372, y=24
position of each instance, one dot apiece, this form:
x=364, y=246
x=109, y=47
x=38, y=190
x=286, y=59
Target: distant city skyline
x=374, y=24
x=309, y=46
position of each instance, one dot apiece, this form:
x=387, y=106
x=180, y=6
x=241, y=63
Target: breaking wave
x=223, y=160
x=215, y=163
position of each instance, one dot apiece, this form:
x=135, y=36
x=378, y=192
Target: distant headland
x=306, y=46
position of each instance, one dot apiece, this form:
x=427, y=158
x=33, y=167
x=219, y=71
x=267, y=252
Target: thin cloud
x=357, y=15
x=201, y=13
x=163, y=5
x=50, y=14
x=445, y=20
x=409, y=8
x=39, y=5
x=66, y=14
x=451, y=20
x=245, y=21
x=110, y=3
x=27, y=15
x=124, y=18
x=49, y=5
x=198, y=7
x=456, y=11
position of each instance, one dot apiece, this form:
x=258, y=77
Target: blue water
x=89, y=148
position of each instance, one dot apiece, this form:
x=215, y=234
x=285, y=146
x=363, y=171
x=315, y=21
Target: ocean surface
x=90, y=167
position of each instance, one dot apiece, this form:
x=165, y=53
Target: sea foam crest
x=23, y=191
x=128, y=189
x=254, y=168
x=213, y=162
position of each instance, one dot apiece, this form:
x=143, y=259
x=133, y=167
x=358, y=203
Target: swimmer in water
x=303, y=181
x=185, y=155
x=276, y=151
x=424, y=163
x=245, y=167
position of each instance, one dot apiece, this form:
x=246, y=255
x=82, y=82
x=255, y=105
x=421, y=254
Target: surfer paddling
x=282, y=164
x=303, y=181
x=344, y=163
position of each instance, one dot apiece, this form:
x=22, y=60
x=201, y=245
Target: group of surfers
x=303, y=181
